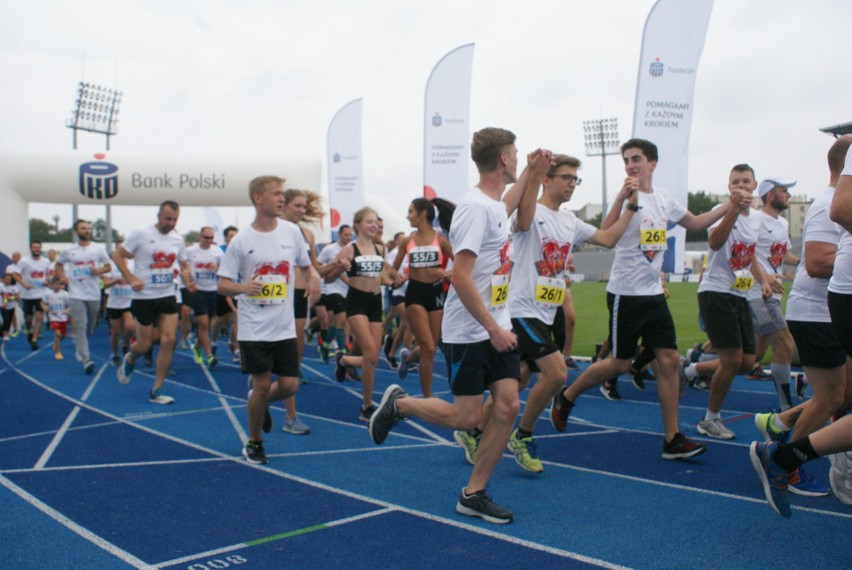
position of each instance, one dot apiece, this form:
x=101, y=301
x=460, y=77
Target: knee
x=506, y=409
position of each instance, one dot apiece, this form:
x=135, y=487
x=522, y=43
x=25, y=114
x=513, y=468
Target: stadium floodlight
x=601, y=137
x=95, y=111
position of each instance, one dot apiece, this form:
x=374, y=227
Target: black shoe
x=393, y=363
x=352, y=374
x=124, y=349
x=681, y=447
x=116, y=360
x=253, y=452
x=481, y=505
x=367, y=413
x=149, y=357
x=386, y=415
x=89, y=366
x=339, y=369
x=388, y=344
x=638, y=378
x=610, y=391
x=267, y=422
x=801, y=385
x=33, y=345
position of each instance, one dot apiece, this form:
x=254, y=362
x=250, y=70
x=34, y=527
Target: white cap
x=768, y=184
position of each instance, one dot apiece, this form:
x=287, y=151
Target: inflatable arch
x=112, y=178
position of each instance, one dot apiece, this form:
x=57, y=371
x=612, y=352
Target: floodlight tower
x=95, y=111
x=601, y=139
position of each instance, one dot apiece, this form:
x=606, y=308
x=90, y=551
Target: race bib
x=652, y=237
x=423, y=257
x=273, y=292
x=37, y=284
x=499, y=291
x=205, y=276
x=122, y=291
x=743, y=280
x=81, y=271
x=161, y=277
x=369, y=265
x=549, y=292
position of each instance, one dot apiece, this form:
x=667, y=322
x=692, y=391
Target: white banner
x=446, y=129
x=345, y=166
x=671, y=49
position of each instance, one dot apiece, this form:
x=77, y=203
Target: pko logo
x=98, y=180
x=657, y=68
x=437, y=121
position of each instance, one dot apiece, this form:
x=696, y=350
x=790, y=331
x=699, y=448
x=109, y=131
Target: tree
x=41, y=230
x=596, y=221
x=192, y=236
x=698, y=203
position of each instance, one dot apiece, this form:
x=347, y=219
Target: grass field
x=592, y=315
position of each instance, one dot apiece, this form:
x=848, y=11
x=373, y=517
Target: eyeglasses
x=567, y=178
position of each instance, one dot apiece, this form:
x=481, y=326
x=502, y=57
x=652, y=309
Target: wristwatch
x=632, y=206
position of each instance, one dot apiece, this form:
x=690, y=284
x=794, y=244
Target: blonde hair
x=258, y=185
x=313, y=207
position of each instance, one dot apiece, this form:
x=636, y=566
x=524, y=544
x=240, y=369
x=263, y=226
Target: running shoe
x=481, y=505
x=237, y=356
x=339, y=369
x=387, y=345
x=58, y=355
x=149, y=357
x=366, y=413
x=765, y=424
x=571, y=364
x=402, y=369
x=525, y=452
x=758, y=373
x=89, y=366
x=386, y=415
x=610, y=391
x=253, y=452
x=302, y=379
x=212, y=362
x=156, y=398
x=392, y=362
x=295, y=426
x=323, y=351
x=559, y=412
x=802, y=483
x=34, y=344
x=693, y=354
x=715, y=429
x=681, y=447
x=124, y=370
x=773, y=478
x=840, y=477
x=468, y=443
x=352, y=374
x=801, y=385
x=116, y=360
x=636, y=377
x=196, y=353
x=701, y=383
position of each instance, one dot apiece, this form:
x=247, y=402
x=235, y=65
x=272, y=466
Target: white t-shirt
x=119, y=295
x=204, y=263
x=13, y=268
x=480, y=225
x=841, y=279
x=807, y=299
x=639, y=252
x=35, y=273
x=79, y=262
x=537, y=285
x=155, y=255
x=57, y=305
x=328, y=254
x=727, y=269
x=270, y=257
x=773, y=241
x=9, y=295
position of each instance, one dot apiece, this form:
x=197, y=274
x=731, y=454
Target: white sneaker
x=840, y=477
x=295, y=426
x=715, y=428
x=157, y=398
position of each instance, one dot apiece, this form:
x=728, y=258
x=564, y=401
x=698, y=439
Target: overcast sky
x=260, y=78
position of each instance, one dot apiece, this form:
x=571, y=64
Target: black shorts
x=115, y=314
x=203, y=303
x=362, y=303
x=184, y=296
x=558, y=326
x=30, y=306
x=222, y=307
x=430, y=296
x=840, y=307
x=472, y=368
x=535, y=340
x=818, y=344
x=147, y=311
x=300, y=304
x=632, y=316
x=335, y=303
x=281, y=357
x=397, y=299
x=728, y=320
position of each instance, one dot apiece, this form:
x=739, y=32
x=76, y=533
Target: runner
x=204, y=259
x=265, y=255
x=82, y=266
x=32, y=278
x=154, y=249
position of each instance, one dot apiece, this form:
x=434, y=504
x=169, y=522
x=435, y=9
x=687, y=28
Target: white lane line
x=74, y=527
x=54, y=443
x=241, y=434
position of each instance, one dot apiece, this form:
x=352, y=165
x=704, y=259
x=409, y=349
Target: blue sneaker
x=773, y=478
x=124, y=370
x=402, y=369
x=802, y=483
